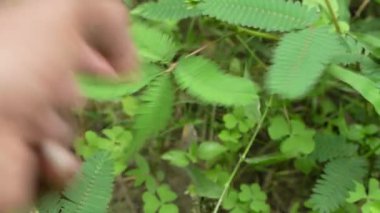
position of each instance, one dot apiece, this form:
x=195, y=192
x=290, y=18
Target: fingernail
x=62, y=162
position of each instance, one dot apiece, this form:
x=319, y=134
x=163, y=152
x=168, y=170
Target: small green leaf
x=230, y=121
x=374, y=189
x=371, y=129
x=245, y=193
x=176, y=158
x=257, y=193
x=166, y=194
x=151, y=203
x=210, y=150
x=358, y=194
x=169, y=208
x=130, y=105
x=204, y=187
x=229, y=136
x=300, y=140
x=298, y=127
x=304, y=164
x=231, y=200
x=356, y=132
x=278, y=128
x=141, y=173
x=299, y=144
x=259, y=206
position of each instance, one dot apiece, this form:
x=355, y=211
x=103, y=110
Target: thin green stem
x=258, y=34
x=333, y=16
x=190, y=29
x=211, y=123
x=251, y=52
x=243, y=156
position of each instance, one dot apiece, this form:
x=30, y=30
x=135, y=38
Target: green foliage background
x=242, y=106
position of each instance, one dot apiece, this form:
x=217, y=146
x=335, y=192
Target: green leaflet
x=299, y=61
x=367, y=88
x=332, y=188
x=204, y=80
x=49, y=203
x=166, y=10
x=92, y=189
x=270, y=15
x=102, y=89
x=154, y=113
x=152, y=44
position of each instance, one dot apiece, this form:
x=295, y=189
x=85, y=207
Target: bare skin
x=43, y=43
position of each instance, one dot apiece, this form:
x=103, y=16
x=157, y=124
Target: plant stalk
x=243, y=156
x=333, y=16
x=258, y=34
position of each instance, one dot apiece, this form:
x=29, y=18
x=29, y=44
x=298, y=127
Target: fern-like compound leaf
x=299, y=61
x=92, y=188
x=332, y=188
x=154, y=113
x=329, y=146
x=269, y=15
x=103, y=89
x=49, y=203
x=152, y=44
x=204, y=80
x=166, y=10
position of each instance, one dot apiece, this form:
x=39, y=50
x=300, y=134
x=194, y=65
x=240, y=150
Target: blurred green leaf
x=176, y=158
x=210, y=150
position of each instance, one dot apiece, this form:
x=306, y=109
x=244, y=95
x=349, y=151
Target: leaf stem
x=333, y=16
x=362, y=7
x=258, y=34
x=243, y=156
x=251, y=52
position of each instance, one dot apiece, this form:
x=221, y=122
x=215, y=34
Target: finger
x=18, y=166
x=105, y=29
x=58, y=164
x=64, y=91
x=93, y=62
x=53, y=125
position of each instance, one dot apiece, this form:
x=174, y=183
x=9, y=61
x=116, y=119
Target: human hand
x=43, y=43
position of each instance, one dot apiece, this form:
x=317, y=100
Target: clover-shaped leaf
x=160, y=200
x=253, y=195
x=230, y=121
x=245, y=194
x=229, y=136
x=300, y=140
x=231, y=200
x=358, y=194
x=169, y=208
x=166, y=194
x=142, y=172
x=278, y=128
x=372, y=199
x=151, y=203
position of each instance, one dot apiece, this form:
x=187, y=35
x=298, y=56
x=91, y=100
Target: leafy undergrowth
x=243, y=106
